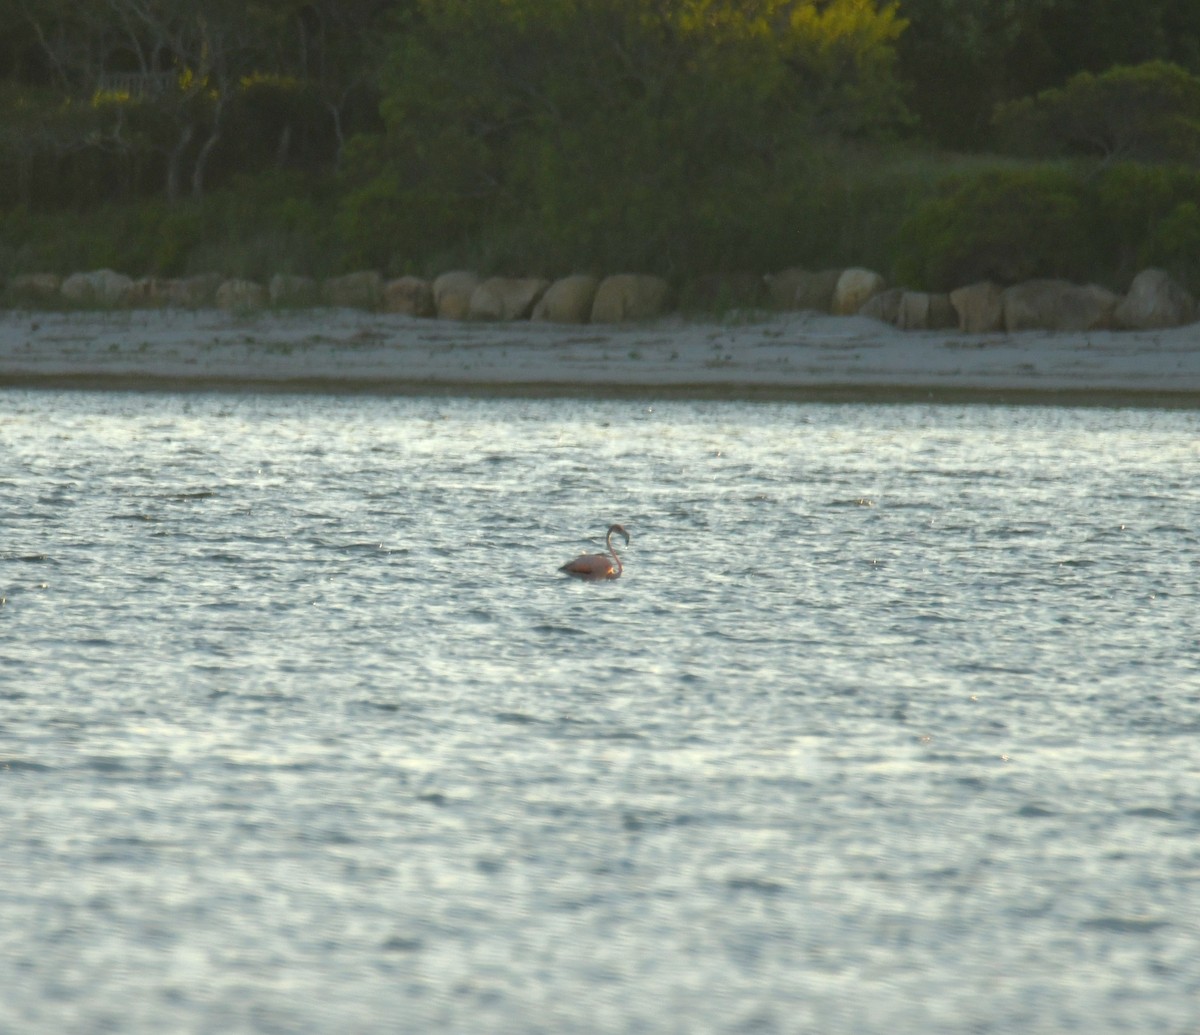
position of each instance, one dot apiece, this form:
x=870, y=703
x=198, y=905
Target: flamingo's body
x=595, y=566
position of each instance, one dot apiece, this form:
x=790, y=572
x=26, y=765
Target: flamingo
x=594, y=566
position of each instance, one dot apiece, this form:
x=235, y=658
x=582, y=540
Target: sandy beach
x=756, y=356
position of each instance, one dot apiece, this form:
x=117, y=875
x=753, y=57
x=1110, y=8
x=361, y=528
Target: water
x=890, y=724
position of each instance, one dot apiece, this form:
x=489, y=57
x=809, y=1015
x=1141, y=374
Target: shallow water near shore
x=890, y=724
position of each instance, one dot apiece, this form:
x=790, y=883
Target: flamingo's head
x=619, y=530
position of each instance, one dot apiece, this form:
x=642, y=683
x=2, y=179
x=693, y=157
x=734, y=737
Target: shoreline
x=793, y=356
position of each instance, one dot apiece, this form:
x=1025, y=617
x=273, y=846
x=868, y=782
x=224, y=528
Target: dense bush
x=605, y=133
x=684, y=137
x=1147, y=217
x=1054, y=221
x=960, y=58
x=257, y=227
x=1004, y=225
x=1148, y=112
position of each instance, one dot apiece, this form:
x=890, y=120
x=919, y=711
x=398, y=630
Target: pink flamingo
x=598, y=565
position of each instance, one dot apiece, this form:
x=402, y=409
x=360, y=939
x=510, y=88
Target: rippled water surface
x=891, y=725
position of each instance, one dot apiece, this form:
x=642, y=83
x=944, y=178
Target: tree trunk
x=284, y=147
x=202, y=159
x=175, y=161
x=339, y=135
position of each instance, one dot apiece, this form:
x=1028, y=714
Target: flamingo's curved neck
x=612, y=550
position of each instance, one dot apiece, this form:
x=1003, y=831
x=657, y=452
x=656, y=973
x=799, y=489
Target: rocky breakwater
x=1153, y=300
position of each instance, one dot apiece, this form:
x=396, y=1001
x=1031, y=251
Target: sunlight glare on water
x=889, y=724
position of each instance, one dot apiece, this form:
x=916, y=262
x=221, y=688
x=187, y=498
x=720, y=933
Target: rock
x=884, y=306
x=452, y=294
x=144, y=292
x=359, y=290
x=1057, y=305
x=855, y=287
x=568, y=300
x=505, y=298
x=78, y=287
x=192, y=292
x=942, y=316
x=718, y=292
x=921, y=311
x=111, y=288
x=99, y=287
x=292, y=289
x=815, y=291
x=798, y=288
x=411, y=296
x=980, y=307
x=241, y=294
x=1155, y=300
x=629, y=296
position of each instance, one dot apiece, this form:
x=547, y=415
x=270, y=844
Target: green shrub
x=1002, y=225
x=1174, y=244
x=1148, y=112
x=268, y=224
x=1145, y=214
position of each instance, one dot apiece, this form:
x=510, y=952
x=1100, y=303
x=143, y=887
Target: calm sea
x=891, y=725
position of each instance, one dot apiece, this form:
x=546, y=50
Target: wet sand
x=754, y=356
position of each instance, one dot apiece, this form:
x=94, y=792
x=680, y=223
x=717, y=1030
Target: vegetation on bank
x=937, y=142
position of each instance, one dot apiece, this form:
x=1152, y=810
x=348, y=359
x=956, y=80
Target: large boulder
x=452, y=294
x=922, y=311
x=798, y=288
x=192, y=292
x=815, y=291
x=358, y=290
x=505, y=298
x=99, y=287
x=145, y=292
x=412, y=296
x=980, y=307
x=292, y=289
x=629, y=296
x=1057, y=305
x=1155, y=300
x=855, y=287
x=568, y=300
x=884, y=306
x=237, y=294
x=78, y=287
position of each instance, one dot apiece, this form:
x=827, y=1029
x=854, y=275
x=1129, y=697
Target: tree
x=963, y=57
x=614, y=127
x=1148, y=112
x=337, y=53
x=157, y=82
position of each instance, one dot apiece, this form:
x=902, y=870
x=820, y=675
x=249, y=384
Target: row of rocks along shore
x=1154, y=300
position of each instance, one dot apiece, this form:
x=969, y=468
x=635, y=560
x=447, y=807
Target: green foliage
x=1006, y=225
x=1092, y=35
x=681, y=136
x=596, y=132
x=1175, y=243
x=960, y=58
x=1009, y=224
x=259, y=228
x=1148, y=112
x=1147, y=216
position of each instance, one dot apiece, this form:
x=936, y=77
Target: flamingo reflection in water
x=595, y=566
